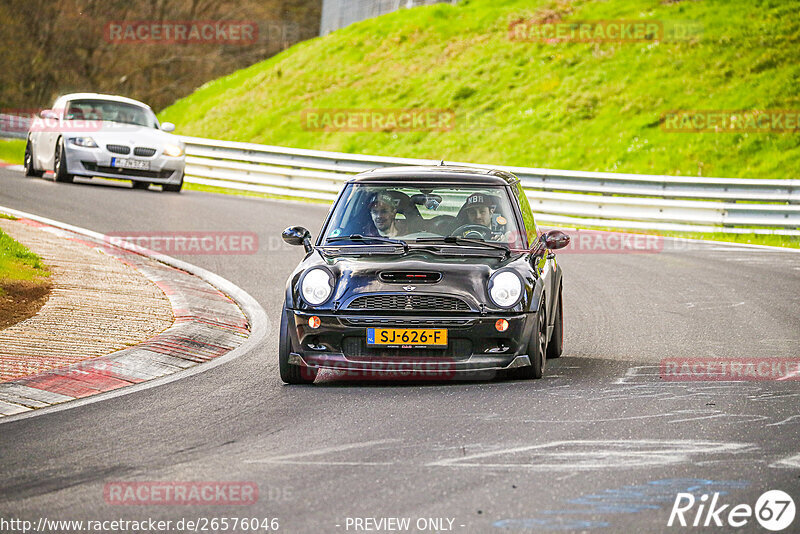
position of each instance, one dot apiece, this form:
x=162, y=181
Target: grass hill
x=566, y=105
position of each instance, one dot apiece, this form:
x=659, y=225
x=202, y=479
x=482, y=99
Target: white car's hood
x=122, y=134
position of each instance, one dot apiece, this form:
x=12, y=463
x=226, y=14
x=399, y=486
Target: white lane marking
x=732, y=248
x=766, y=260
x=590, y=454
x=636, y=372
x=793, y=462
x=323, y=463
x=788, y=419
x=559, y=479
x=598, y=420
x=715, y=306
x=710, y=416
x=700, y=414
x=740, y=418
x=790, y=376
x=291, y=458
x=770, y=396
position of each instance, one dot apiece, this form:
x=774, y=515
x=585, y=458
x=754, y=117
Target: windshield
x=422, y=214
x=110, y=111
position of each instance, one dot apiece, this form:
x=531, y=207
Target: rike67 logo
x=774, y=511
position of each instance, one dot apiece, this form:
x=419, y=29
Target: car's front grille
x=356, y=347
x=118, y=149
x=93, y=167
x=409, y=302
x=144, y=152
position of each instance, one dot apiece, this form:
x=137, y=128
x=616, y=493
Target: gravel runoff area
x=114, y=318
x=98, y=305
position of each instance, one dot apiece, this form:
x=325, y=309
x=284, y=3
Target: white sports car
x=88, y=134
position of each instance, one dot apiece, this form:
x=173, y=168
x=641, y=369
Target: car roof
x=98, y=96
x=445, y=174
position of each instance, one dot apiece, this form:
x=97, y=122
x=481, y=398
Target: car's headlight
x=172, y=150
x=85, y=142
x=316, y=286
x=505, y=289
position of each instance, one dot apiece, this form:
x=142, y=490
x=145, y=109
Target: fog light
x=501, y=325
x=314, y=321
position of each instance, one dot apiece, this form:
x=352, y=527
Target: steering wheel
x=470, y=231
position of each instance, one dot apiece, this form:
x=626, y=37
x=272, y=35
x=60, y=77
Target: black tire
x=537, y=350
x=173, y=188
x=556, y=345
x=291, y=374
x=60, y=166
x=140, y=185
x=30, y=168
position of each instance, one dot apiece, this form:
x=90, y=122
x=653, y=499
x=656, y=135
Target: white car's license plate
x=126, y=163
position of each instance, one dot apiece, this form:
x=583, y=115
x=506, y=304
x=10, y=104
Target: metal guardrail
x=13, y=126
x=564, y=197
x=678, y=203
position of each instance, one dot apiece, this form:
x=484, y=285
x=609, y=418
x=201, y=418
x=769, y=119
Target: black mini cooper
x=424, y=272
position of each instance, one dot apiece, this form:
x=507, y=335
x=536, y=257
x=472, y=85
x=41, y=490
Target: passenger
x=383, y=210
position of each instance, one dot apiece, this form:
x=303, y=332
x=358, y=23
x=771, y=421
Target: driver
x=479, y=210
x=383, y=210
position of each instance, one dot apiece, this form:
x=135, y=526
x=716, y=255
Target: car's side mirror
x=167, y=127
x=297, y=235
x=48, y=114
x=555, y=239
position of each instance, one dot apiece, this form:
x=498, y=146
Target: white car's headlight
x=316, y=286
x=173, y=150
x=505, y=289
x=85, y=142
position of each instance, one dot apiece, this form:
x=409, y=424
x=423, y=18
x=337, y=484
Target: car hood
x=122, y=134
x=462, y=277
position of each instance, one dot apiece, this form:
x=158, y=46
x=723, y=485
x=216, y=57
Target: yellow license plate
x=406, y=337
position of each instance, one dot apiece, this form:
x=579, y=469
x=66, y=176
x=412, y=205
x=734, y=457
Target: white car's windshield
x=110, y=111
x=424, y=213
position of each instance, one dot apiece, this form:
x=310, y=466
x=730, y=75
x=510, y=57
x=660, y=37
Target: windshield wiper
x=455, y=240
x=363, y=238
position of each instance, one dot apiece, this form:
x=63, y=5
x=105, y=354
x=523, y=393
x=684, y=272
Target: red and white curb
x=215, y=321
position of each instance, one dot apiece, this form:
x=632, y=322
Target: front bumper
x=97, y=162
x=474, y=347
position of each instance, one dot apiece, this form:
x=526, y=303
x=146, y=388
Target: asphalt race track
x=600, y=443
